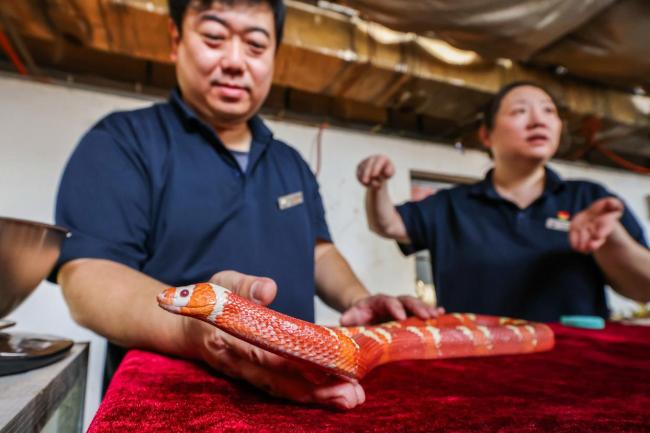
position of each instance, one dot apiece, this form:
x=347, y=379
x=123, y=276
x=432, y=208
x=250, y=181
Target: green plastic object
x=587, y=322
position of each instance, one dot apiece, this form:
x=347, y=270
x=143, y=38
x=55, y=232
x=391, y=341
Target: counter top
x=28, y=400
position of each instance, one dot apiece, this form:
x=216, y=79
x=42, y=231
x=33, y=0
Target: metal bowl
x=28, y=252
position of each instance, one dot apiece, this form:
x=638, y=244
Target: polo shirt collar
x=184, y=110
x=554, y=182
x=262, y=135
x=485, y=188
x=261, y=132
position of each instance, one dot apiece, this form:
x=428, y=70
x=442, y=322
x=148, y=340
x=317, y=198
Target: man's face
x=224, y=60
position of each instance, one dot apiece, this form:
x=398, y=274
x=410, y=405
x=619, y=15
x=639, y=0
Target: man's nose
x=233, y=58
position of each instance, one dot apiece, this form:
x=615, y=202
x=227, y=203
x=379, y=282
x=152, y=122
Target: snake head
x=197, y=300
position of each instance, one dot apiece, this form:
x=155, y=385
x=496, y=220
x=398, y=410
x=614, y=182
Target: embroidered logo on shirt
x=290, y=200
x=563, y=215
x=561, y=223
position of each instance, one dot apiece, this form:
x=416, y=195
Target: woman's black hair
x=492, y=108
x=177, y=9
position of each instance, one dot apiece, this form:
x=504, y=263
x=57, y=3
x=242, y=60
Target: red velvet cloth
x=593, y=381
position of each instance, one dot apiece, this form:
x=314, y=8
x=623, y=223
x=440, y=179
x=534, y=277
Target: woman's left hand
x=592, y=227
x=382, y=308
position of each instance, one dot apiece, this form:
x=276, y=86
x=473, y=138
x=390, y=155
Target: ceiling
x=600, y=40
x=420, y=68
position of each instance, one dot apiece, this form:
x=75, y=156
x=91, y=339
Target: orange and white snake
x=354, y=351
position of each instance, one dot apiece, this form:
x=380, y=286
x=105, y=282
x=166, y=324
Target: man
x=170, y=194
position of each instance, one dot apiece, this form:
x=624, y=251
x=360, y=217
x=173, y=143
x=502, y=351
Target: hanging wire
x=318, y=144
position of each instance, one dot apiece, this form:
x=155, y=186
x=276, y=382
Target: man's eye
x=213, y=37
x=257, y=46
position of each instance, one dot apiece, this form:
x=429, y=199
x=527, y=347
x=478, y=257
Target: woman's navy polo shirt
x=490, y=257
x=156, y=190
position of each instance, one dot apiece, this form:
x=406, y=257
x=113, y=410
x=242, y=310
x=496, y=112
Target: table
x=49, y=398
x=593, y=381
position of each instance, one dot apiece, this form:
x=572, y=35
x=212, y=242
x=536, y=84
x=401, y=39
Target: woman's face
x=527, y=126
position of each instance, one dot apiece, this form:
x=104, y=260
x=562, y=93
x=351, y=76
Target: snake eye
x=184, y=293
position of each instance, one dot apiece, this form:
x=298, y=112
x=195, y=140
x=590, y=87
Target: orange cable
x=6, y=46
x=590, y=127
x=622, y=162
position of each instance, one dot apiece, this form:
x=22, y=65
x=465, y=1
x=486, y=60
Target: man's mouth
x=230, y=91
x=229, y=86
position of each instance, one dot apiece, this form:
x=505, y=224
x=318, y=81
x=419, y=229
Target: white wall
x=39, y=126
x=41, y=123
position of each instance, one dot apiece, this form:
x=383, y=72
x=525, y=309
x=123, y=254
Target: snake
x=355, y=351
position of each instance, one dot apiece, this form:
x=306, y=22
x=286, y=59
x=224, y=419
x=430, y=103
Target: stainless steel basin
x=28, y=252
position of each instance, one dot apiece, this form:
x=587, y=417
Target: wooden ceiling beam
x=331, y=54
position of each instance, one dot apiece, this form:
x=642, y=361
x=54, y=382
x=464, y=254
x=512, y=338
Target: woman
x=522, y=242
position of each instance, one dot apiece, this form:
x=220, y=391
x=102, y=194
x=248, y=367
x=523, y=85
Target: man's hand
x=276, y=375
x=382, y=308
x=260, y=290
x=373, y=171
x=592, y=227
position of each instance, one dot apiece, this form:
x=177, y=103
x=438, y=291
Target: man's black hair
x=177, y=9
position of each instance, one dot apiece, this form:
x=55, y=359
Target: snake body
x=354, y=351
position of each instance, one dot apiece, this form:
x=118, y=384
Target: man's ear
x=175, y=39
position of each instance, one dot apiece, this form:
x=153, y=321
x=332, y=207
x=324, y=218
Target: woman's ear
x=484, y=137
x=175, y=39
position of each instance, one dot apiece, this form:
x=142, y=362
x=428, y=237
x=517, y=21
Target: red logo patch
x=563, y=215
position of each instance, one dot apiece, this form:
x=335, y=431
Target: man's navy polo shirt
x=156, y=190
x=488, y=256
